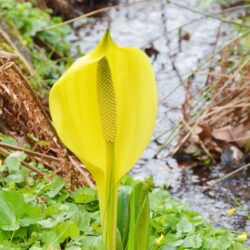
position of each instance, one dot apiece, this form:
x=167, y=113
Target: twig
x=215, y=182
x=200, y=18
x=32, y=168
x=84, y=174
x=213, y=87
x=92, y=13
x=199, y=67
x=230, y=9
x=200, y=142
x=206, y=112
x=210, y=15
x=27, y=65
x=105, y=9
x=29, y=152
x=53, y=134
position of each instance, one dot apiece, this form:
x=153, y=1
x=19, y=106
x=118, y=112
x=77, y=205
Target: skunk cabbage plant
x=104, y=109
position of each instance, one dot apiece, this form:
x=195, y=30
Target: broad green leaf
x=123, y=214
x=85, y=222
x=168, y=247
x=67, y=229
x=84, y=195
x=193, y=241
x=7, y=139
x=3, y=236
x=48, y=223
x=185, y=226
x=158, y=197
x=13, y=161
x=14, y=212
x=60, y=232
x=118, y=241
x=92, y=243
x=35, y=248
x=8, y=246
x=73, y=248
x=139, y=218
x=55, y=187
x=14, y=178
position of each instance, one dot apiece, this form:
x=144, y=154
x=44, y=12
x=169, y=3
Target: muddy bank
x=178, y=41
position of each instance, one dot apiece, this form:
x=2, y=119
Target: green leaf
x=13, y=161
x=92, y=242
x=118, y=241
x=35, y=248
x=158, y=197
x=73, y=248
x=59, y=233
x=193, y=241
x=48, y=223
x=67, y=229
x=185, y=226
x=14, y=178
x=139, y=218
x=85, y=222
x=7, y=139
x=84, y=195
x=55, y=187
x=14, y=212
x=123, y=213
x=173, y=240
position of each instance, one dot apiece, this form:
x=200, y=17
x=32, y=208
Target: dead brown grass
x=223, y=114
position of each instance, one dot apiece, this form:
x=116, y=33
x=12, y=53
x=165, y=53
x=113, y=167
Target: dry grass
x=222, y=115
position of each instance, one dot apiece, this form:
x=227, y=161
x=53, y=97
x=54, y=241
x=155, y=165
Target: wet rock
x=231, y=156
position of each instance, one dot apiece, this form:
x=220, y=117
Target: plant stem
x=226, y=176
x=110, y=218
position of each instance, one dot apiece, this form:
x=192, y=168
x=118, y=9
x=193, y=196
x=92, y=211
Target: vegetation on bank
x=48, y=50
x=39, y=214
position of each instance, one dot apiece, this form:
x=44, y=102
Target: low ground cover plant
x=40, y=214
x=48, y=50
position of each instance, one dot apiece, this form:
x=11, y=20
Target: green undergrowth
x=48, y=49
x=40, y=214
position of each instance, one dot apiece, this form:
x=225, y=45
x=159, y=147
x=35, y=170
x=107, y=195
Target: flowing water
x=177, y=40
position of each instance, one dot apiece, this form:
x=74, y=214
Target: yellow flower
x=231, y=211
x=159, y=240
x=104, y=110
x=242, y=237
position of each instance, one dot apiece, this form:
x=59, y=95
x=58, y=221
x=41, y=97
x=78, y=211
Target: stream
x=154, y=26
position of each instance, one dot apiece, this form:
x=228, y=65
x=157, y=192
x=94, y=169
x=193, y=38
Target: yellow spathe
x=76, y=115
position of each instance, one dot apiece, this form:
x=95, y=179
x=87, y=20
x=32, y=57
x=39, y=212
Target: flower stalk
x=110, y=216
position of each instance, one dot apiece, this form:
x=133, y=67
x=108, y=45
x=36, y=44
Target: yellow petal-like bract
x=109, y=95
